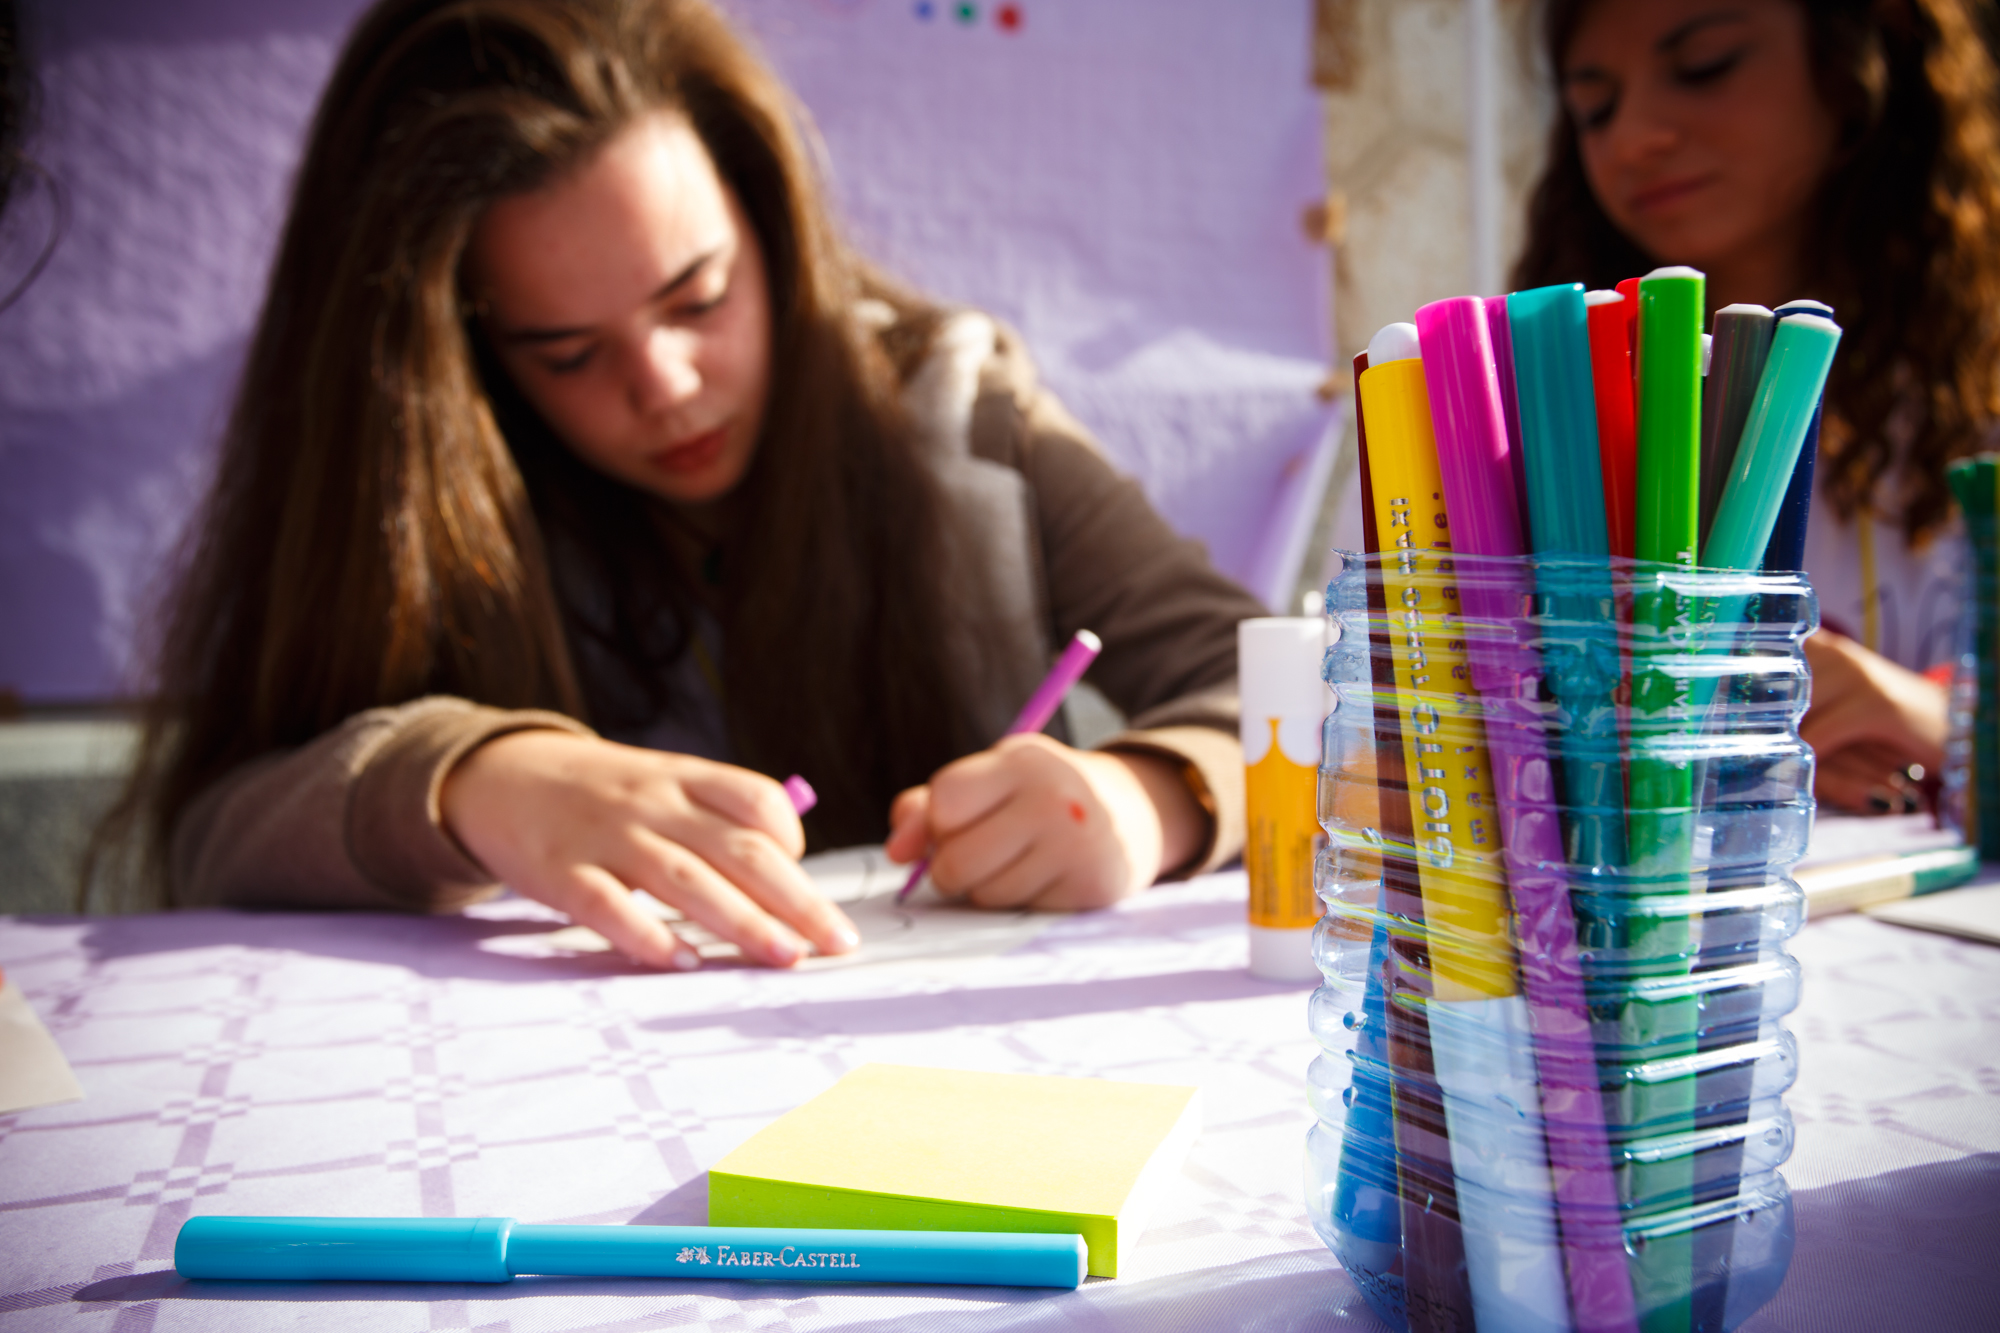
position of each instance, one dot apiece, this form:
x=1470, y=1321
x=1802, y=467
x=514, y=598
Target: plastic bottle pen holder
x=1562, y=798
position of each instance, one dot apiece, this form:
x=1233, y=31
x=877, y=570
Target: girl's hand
x=580, y=823
x=1869, y=721
x=1034, y=823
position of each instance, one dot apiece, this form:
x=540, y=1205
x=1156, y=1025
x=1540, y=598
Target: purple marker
x=1501, y=332
x=1474, y=456
x=1035, y=713
x=801, y=794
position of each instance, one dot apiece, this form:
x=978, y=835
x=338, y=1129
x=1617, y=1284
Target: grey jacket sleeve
x=350, y=820
x=1113, y=565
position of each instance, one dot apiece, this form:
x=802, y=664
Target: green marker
x=1669, y=511
x=1787, y=396
x=1655, y=1024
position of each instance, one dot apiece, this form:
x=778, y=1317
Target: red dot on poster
x=1008, y=17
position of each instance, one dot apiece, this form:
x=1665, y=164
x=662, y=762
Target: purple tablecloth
x=399, y=1066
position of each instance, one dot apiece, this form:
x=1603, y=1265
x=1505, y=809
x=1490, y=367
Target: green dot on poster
x=968, y=13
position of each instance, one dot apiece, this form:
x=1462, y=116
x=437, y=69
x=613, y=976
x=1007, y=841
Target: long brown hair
x=1906, y=254
x=385, y=505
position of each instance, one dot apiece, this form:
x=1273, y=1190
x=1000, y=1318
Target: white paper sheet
x=864, y=882
x=33, y=1071
x=1972, y=913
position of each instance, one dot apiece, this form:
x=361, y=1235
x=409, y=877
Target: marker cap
x=1394, y=342
x=314, y=1249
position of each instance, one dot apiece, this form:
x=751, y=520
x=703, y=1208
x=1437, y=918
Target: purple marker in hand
x=1035, y=714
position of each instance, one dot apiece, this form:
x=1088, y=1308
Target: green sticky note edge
x=747, y=1201
x=903, y=1147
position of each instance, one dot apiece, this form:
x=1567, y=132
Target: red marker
x=1617, y=438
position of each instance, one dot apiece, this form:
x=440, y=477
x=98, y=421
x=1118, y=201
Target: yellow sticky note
x=897, y=1147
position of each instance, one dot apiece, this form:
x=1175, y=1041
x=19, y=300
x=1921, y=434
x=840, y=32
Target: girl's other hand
x=1870, y=720
x=1034, y=823
x=580, y=823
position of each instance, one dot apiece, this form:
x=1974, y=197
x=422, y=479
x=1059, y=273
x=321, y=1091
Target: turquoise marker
x=1567, y=521
x=497, y=1249
x=1787, y=397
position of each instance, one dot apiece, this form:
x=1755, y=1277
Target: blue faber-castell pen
x=497, y=1249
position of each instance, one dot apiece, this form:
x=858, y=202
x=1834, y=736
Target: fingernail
x=784, y=952
x=686, y=959
x=848, y=938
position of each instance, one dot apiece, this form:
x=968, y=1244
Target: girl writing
x=582, y=483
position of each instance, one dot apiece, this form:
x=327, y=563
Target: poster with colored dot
x=1121, y=181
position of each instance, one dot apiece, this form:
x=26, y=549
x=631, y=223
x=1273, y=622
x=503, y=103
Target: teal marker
x=497, y=1249
x=1788, y=395
x=1568, y=529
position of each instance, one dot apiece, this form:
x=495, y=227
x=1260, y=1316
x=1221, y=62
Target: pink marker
x=801, y=792
x=1035, y=714
x=1473, y=445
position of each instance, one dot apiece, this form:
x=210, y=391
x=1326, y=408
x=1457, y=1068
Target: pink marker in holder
x=1474, y=456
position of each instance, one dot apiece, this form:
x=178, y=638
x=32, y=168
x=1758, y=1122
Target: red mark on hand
x=1076, y=812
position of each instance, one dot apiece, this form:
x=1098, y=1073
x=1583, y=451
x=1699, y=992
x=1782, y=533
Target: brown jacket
x=353, y=818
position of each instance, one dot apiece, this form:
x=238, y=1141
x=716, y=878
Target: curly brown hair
x=1907, y=253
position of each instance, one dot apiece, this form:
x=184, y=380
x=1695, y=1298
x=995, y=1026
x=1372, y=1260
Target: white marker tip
x=1394, y=342
x=1602, y=297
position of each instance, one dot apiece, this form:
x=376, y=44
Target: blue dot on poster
x=925, y=9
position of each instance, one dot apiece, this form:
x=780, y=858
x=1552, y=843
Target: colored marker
x=1438, y=1273
x=1669, y=412
x=1035, y=714
x=1742, y=340
x=1567, y=526
x=1367, y=1203
x=1477, y=477
x=1975, y=484
x=1480, y=1028
x=1788, y=396
x=1756, y=480
x=1502, y=336
x=1661, y=827
x=1787, y=552
x=1617, y=443
x=497, y=1249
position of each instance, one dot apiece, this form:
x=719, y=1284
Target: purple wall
x=1119, y=178
x=174, y=128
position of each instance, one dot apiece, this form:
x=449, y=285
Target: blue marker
x=496, y=1249
x=1786, y=553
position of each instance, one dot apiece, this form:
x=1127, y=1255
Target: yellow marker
x=1453, y=815
x=1283, y=703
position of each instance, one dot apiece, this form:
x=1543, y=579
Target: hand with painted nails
x=1034, y=823
x=581, y=824
x=1874, y=726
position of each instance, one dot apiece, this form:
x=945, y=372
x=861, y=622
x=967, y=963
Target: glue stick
x=1284, y=703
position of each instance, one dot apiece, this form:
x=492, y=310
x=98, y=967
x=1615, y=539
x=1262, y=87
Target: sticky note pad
x=899, y=1147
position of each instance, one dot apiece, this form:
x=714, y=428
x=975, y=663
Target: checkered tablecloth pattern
x=398, y=1066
